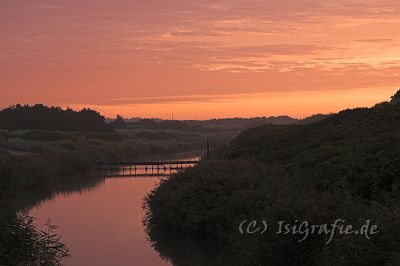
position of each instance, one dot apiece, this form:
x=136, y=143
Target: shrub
x=23, y=244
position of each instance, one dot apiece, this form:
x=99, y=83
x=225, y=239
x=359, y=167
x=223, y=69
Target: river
x=101, y=223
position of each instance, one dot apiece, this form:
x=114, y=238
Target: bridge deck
x=150, y=163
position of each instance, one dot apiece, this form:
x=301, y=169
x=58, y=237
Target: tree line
x=39, y=116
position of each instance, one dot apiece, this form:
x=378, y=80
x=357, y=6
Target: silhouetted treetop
x=40, y=116
x=396, y=97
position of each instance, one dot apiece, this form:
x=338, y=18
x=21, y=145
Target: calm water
x=103, y=225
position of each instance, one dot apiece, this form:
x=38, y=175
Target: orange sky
x=200, y=59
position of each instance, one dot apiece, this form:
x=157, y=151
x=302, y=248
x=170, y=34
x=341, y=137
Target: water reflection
x=99, y=217
x=36, y=196
x=104, y=226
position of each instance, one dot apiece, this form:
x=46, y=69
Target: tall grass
x=23, y=244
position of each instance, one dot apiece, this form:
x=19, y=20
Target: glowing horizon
x=200, y=60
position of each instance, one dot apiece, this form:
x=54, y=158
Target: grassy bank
x=344, y=167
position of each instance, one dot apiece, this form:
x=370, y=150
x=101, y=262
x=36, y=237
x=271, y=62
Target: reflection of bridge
x=154, y=167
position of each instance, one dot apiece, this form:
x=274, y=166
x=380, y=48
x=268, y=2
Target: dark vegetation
x=346, y=166
x=46, y=135
x=245, y=123
x=162, y=124
x=23, y=244
x=212, y=125
x=39, y=116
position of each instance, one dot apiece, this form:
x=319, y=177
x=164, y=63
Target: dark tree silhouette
x=40, y=116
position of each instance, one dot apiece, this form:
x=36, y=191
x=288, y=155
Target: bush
x=344, y=167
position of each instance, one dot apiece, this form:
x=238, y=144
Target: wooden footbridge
x=147, y=168
x=153, y=167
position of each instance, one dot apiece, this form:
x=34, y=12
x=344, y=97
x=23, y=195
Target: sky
x=200, y=59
